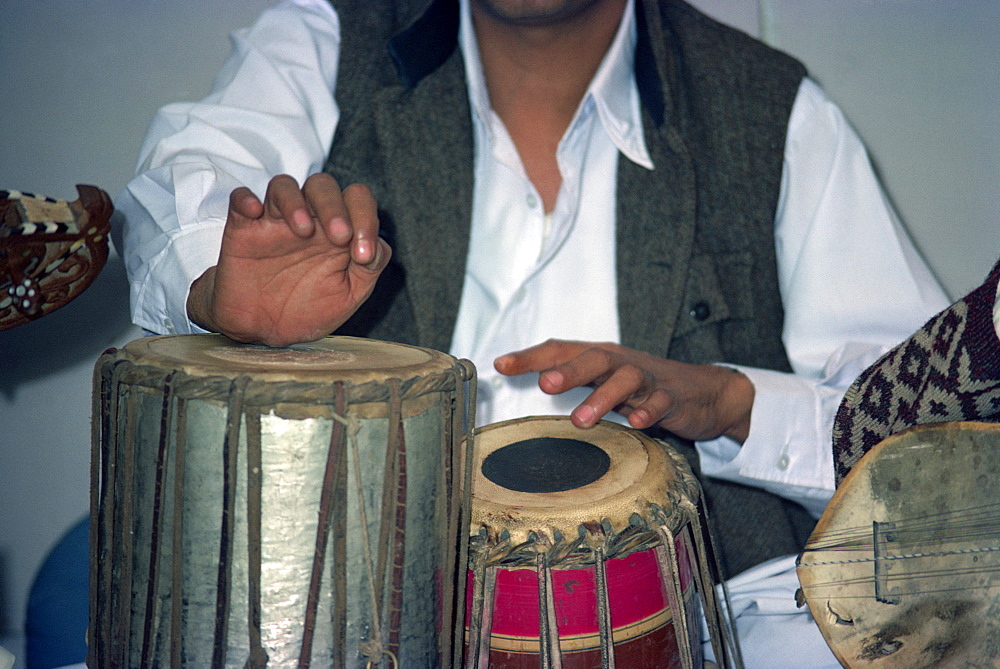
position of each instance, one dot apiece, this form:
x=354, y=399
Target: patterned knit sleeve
x=949, y=370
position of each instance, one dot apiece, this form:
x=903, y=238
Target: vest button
x=700, y=311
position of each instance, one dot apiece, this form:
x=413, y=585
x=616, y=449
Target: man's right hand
x=294, y=267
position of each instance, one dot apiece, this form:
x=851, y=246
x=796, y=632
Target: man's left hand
x=697, y=402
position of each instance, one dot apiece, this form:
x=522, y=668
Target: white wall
x=918, y=80
x=82, y=79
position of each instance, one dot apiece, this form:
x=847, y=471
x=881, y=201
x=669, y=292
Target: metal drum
x=286, y=507
x=588, y=550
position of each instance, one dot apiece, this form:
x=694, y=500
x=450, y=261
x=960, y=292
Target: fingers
x=617, y=386
x=368, y=249
x=538, y=358
x=243, y=202
x=383, y=252
x=658, y=406
x=348, y=218
x=693, y=401
x=285, y=201
x=564, y=365
x=591, y=365
x=326, y=202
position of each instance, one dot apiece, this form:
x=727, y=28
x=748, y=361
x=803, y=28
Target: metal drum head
x=348, y=358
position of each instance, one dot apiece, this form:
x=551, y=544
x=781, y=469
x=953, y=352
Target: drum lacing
x=372, y=663
x=372, y=649
x=498, y=550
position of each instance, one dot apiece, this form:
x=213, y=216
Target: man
x=536, y=176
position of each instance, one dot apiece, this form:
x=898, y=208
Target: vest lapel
x=656, y=209
x=429, y=167
x=654, y=239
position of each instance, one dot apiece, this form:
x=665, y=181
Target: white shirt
x=272, y=111
x=523, y=280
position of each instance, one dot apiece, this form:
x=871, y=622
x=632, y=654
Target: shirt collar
x=478, y=96
x=613, y=89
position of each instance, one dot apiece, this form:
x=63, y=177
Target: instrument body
x=588, y=549
x=50, y=250
x=233, y=486
x=902, y=568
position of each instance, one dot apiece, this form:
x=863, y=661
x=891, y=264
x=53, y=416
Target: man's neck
x=537, y=73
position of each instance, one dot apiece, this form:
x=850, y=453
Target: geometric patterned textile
x=949, y=370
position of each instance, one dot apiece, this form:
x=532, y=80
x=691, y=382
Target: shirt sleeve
x=270, y=111
x=853, y=286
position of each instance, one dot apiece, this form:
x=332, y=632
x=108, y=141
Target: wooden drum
x=587, y=550
x=282, y=507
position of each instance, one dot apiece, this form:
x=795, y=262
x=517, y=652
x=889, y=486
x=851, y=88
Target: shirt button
x=532, y=200
x=783, y=462
x=496, y=382
x=168, y=324
x=700, y=311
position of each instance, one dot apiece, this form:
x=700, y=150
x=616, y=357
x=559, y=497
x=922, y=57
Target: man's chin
x=536, y=13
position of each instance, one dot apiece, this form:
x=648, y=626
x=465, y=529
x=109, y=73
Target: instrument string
x=916, y=554
x=861, y=537
x=904, y=556
x=964, y=525
x=910, y=575
x=820, y=589
x=919, y=582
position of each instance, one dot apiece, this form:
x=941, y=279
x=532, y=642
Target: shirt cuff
x=161, y=302
x=788, y=451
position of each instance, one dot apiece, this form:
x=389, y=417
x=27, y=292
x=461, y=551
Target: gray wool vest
x=697, y=279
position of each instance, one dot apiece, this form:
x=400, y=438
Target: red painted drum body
x=587, y=550
x=641, y=619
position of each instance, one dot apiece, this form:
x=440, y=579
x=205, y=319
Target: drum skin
x=554, y=554
x=226, y=508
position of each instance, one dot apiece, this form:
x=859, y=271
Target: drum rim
x=157, y=347
x=139, y=363
x=663, y=494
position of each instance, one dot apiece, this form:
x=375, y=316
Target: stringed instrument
x=50, y=250
x=903, y=568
